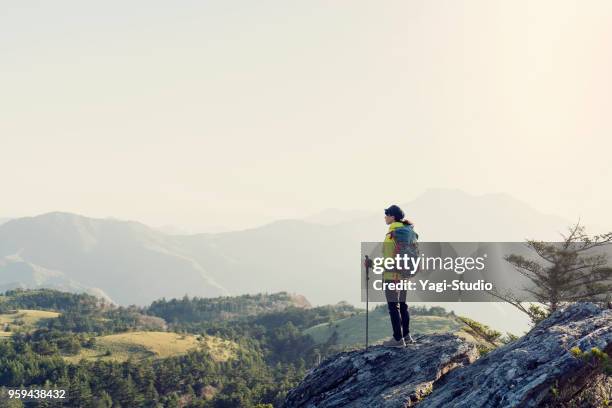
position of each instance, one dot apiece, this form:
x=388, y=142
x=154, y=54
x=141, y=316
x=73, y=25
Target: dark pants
x=398, y=311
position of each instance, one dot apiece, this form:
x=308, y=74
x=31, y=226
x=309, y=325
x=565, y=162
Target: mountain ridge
x=124, y=258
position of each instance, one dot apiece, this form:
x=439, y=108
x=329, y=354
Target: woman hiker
x=396, y=299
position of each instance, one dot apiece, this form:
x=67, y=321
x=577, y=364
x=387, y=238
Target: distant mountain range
x=17, y=273
x=132, y=263
x=128, y=261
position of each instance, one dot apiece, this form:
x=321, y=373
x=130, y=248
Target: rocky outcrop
x=382, y=376
x=536, y=370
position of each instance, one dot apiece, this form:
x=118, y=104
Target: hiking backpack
x=406, y=242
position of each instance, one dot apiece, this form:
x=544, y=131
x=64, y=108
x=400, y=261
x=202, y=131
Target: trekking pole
x=368, y=265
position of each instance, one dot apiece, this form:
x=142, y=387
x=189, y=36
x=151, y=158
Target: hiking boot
x=408, y=339
x=394, y=343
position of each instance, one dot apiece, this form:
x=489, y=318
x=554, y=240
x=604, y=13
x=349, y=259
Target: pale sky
x=234, y=113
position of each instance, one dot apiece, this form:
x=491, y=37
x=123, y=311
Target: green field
x=23, y=320
x=351, y=331
x=150, y=344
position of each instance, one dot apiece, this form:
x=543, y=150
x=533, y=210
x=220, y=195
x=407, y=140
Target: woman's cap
x=395, y=212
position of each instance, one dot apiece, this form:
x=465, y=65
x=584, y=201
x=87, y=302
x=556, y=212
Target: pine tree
x=79, y=392
x=573, y=270
x=103, y=401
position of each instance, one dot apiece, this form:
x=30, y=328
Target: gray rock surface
x=437, y=372
x=382, y=376
x=525, y=372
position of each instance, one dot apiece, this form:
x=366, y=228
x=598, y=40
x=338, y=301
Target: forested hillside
x=243, y=351
x=222, y=352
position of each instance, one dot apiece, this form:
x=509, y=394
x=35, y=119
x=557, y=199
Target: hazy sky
x=200, y=113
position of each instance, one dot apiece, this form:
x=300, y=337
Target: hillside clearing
x=150, y=344
x=23, y=320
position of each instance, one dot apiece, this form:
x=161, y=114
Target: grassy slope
x=351, y=330
x=136, y=345
x=145, y=344
x=29, y=318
